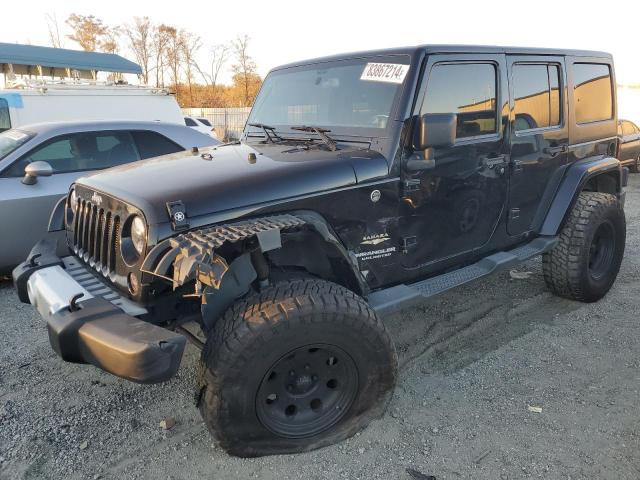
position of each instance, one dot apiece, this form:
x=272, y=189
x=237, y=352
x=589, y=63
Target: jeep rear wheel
x=303, y=364
x=585, y=262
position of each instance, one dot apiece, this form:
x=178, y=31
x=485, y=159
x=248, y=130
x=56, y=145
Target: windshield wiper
x=322, y=133
x=269, y=131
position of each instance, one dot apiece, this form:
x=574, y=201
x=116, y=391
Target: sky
x=286, y=31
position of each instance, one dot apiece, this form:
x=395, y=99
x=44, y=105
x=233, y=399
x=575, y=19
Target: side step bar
x=396, y=298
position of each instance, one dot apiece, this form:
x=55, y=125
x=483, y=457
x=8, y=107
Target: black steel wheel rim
x=601, y=251
x=307, y=391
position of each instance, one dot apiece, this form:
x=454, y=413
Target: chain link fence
x=228, y=122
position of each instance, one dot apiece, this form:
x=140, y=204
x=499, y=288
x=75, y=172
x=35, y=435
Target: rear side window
x=536, y=91
x=468, y=90
x=152, y=144
x=592, y=92
x=189, y=122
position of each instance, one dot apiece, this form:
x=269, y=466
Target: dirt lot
x=472, y=363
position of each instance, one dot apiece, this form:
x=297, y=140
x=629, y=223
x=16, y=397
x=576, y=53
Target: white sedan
x=201, y=124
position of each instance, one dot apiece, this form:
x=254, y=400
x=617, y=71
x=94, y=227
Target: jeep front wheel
x=585, y=262
x=303, y=364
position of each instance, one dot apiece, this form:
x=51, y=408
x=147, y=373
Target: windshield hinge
x=178, y=215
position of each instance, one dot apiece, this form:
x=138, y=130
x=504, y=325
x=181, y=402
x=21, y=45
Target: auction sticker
x=385, y=72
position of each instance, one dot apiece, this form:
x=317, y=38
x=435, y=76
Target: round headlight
x=138, y=234
x=73, y=200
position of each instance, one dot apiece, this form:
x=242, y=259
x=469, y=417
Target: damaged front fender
x=192, y=255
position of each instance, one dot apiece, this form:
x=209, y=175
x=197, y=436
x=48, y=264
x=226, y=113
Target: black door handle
x=553, y=151
x=497, y=161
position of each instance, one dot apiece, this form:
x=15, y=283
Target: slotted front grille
x=96, y=236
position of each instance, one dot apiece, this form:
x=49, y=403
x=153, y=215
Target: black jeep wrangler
x=363, y=183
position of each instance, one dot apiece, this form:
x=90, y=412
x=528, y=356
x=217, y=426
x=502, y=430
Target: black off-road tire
x=302, y=350
x=585, y=262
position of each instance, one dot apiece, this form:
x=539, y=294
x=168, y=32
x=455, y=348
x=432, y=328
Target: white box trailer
x=45, y=84
x=52, y=103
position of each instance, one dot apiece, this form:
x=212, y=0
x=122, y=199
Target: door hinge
x=409, y=243
x=410, y=185
x=516, y=166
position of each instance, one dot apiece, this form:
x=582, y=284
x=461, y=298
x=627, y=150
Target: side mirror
x=35, y=170
x=436, y=130
x=433, y=130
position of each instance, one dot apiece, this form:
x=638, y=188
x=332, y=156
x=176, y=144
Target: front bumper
x=89, y=322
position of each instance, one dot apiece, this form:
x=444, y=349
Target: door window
x=151, y=144
x=536, y=91
x=81, y=151
x=468, y=90
x=592, y=92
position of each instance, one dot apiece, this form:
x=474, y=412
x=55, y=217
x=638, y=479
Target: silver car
x=39, y=162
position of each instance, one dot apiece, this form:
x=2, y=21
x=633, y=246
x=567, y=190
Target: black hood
x=232, y=179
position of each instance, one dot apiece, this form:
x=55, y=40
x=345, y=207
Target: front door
x=539, y=137
x=454, y=207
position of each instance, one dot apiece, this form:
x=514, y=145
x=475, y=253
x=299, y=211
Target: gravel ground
x=473, y=362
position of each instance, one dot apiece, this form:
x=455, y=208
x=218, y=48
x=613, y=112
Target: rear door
x=539, y=136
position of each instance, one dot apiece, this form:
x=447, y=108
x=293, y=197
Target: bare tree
x=219, y=57
x=160, y=42
x=245, y=67
x=54, y=30
x=173, y=54
x=190, y=44
x=140, y=36
x=87, y=31
x=109, y=41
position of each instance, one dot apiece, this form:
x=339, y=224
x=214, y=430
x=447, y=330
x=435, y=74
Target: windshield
x=10, y=140
x=355, y=97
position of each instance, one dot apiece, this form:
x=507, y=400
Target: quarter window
x=592, y=92
x=536, y=91
x=468, y=90
x=189, y=122
x=151, y=144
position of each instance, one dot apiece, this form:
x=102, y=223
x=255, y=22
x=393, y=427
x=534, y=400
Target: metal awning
x=62, y=58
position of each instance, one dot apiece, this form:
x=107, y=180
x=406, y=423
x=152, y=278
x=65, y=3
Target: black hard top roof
x=470, y=49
